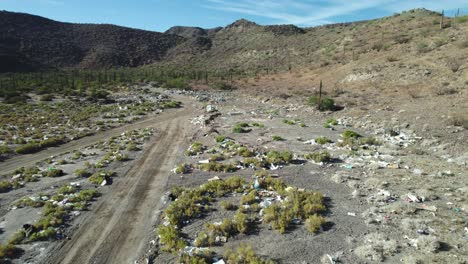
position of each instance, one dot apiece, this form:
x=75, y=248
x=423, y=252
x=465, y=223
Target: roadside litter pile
x=266, y=200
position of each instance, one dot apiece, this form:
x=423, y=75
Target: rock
x=418, y=172
x=210, y=109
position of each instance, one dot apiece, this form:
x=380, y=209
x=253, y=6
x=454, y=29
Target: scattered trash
x=352, y=214
x=413, y=198
x=215, y=178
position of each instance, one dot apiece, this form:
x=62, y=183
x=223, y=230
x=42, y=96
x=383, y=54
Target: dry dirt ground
x=371, y=218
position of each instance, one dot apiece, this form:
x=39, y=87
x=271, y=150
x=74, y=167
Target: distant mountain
x=29, y=43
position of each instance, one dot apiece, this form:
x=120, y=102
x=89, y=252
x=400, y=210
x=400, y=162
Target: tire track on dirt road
x=30, y=159
x=117, y=229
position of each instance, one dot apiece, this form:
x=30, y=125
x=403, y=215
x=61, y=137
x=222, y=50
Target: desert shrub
x=220, y=138
x=9, y=251
x=273, y=184
x=82, y=173
x=235, y=184
x=250, y=198
x=254, y=161
x=43, y=235
x=330, y=122
x=278, y=217
x=201, y=240
x=461, y=19
x=195, y=149
x=28, y=148
x=218, y=167
x=242, y=255
x=314, y=223
x=223, y=86
x=318, y=156
x=289, y=122
x=257, y=125
x=4, y=149
x=185, y=207
x=170, y=238
x=195, y=259
x=47, y=98
x=323, y=104
x=17, y=238
x=277, y=138
x=170, y=104
x=182, y=169
x=228, y=206
x=323, y=140
x=178, y=83
x=226, y=228
x=216, y=157
x=27, y=201
x=275, y=157
x=240, y=221
x=77, y=155
x=53, y=173
x=51, y=142
x=422, y=47
x=5, y=186
x=132, y=146
x=241, y=128
x=244, y=152
x=350, y=134
x=99, y=177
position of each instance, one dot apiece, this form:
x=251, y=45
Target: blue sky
x=159, y=15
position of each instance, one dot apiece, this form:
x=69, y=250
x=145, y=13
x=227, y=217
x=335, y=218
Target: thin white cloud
x=314, y=12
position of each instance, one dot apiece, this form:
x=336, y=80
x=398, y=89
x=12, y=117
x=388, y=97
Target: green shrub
x=132, y=146
x=47, y=98
x=289, y=122
x=9, y=251
x=240, y=221
x=4, y=149
x=170, y=104
x=257, y=125
x=278, y=217
x=350, y=134
x=170, y=238
x=178, y=83
x=254, y=161
x=43, y=235
x=82, y=173
x=220, y=138
x=53, y=173
x=277, y=138
x=314, y=223
x=98, y=177
x=28, y=148
x=182, y=169
x=250, y=198
x=241, y=128
x=17, y=238
x=244, y=152
x=5, y=186
x=195, y=149
x=275, y=157
x=323, y=104
x=51, y=142
x=217, y=167
x=369, y=141
x=216, y=157
x=27, y=201
x=461, y=19
x=242, y=255
x=318, y=156
x=323, y=140
x=223, y=86
x=331, y=122
x=228, y=206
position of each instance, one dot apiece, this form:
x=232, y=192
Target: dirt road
x=29, y=160
x=116, y=232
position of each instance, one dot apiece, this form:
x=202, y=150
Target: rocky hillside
x=29, y=42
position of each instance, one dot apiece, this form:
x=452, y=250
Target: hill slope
x=30, y=42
